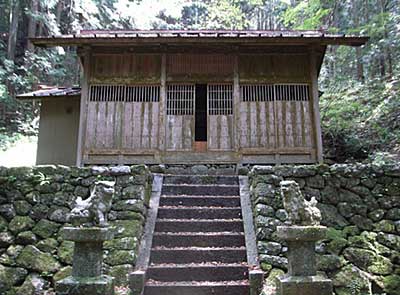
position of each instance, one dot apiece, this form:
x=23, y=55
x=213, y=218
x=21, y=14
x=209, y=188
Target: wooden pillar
x=85, y=57
x=236, y=104
x=315, y=103
x=163, y=102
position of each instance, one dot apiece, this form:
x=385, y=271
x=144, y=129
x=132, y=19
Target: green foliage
x=306, y=15
x=360, y=120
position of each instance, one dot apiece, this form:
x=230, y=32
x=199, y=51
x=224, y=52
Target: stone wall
x=34, y=205
x=361, y=206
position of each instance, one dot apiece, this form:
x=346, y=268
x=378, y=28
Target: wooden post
x=315, y=104
x=163, y=101
x=236, y=104
x=85, y=65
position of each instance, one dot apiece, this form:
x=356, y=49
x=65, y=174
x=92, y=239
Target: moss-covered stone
x=351, y=230
x=271, y=280
x=11, y=276
x=392, y=284
x=376, y=215
x=33, y=259
x=120, y=273
x=387, y=226
x=45, y=228
x=369, y=261
x=3, y=224
x=26, y=238
x=329, y=262
x=351, y=280
x=65, y=252
x=22, y=207
x=21, y=223
x=129, y=205
x=266, y=267
x=127, y=228
x=59, y=214
x=381, y=266
x=62, y=273
x=6, y=239
x=117, y=257
x=33, y=285
x=47, y=245
x=127, y=243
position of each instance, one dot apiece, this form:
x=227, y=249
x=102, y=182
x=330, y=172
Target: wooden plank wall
x=274, y=68
x=293, y=120
x=220, y=132
x=257, y=125
x=200, y=67
x=275, y=124
x=136, y=68
x=125, y=126
x=180, y=135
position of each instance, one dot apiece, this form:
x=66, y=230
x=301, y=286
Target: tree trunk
x=32, y=23
x=13, y=31
x=387, y=54
x=60, y=7
x=360, y=67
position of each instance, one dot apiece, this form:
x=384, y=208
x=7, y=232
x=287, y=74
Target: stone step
x=197, y=288
x=213, y=239
x=198, y=272
x=200, y=189
x=209, y=201
x=197, y=255
x=200, y=225
x=199, y=212
x=201, y=179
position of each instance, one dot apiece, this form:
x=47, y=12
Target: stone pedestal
x=87, y=278
x=302, y=277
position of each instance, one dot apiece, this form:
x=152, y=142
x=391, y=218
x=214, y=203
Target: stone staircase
x=198, y=245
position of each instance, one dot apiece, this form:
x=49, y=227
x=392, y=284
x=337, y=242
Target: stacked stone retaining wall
x=34, y=205
x=361, y=206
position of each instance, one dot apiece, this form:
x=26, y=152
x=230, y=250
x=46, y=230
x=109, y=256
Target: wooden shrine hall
x=183, y=97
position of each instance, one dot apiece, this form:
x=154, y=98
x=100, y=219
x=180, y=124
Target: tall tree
x=13, y=31
x=32, y=22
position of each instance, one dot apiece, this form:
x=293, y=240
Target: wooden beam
x=315, y=104
x=163, y=103
x=85, y=66
x=236, y=103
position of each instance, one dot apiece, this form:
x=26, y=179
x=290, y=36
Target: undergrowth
x=362, y=122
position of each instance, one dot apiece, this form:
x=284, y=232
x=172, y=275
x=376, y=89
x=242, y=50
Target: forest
x=360, y=104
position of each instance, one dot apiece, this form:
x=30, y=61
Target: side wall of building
x=58, y=131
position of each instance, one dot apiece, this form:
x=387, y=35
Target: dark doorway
x=200, y=133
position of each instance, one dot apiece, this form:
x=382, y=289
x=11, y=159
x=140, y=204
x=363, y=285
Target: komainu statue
x=93, y=210
x=300, y=211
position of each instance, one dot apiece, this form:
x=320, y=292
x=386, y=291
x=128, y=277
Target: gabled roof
x=107, y=37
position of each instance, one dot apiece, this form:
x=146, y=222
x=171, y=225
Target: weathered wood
x=163, y=101
x=236, y=103
x=274, y=68
x=125, y=68
x=315, y=104
x=85, y=66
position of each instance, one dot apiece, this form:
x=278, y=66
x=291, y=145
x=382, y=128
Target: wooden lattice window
x=148, y=93
x=180, y=99
x=292, y=92
x=220, y=99
x=259, y=92
x=271, y=92
x=124, y=93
